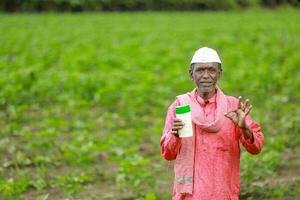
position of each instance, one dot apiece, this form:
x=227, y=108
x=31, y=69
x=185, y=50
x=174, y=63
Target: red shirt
x=217, y=155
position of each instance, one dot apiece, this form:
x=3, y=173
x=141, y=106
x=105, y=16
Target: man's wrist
x=247, y=132
x=245, y=127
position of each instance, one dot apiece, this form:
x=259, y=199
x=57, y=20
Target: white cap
x=204, y=55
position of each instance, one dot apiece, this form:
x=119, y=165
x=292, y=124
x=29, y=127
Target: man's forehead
x=209, y=64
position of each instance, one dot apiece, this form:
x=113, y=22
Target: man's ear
x=219, y=72
x=191, y=73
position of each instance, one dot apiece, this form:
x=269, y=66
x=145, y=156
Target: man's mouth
x=205, y=83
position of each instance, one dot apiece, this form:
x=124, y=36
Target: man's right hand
x=177, y=125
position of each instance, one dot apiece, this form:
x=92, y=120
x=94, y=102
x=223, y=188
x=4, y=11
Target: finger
x=243, y=104
x=247, y=103
x=175, y=128
x=233, y=119
x=174, y=132
x=230, y=117
x=178, y=124
x=230, y=111
x=248, y=110
x=240, y=102
x=177, y=120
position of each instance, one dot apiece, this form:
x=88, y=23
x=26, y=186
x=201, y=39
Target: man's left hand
x=238, y=116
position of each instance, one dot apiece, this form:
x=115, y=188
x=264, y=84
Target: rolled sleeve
x=258, y=137
x=169, y=143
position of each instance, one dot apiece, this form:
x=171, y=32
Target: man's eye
x=212, y=70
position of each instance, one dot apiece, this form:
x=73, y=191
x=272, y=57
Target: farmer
x=207, y=165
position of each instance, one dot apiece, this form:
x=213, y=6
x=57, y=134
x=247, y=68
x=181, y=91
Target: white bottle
x=183, y=112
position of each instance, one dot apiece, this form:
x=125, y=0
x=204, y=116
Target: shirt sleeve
x=169, y=143
x=258, y=137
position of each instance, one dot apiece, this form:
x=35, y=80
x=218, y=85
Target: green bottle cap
x=183, y=109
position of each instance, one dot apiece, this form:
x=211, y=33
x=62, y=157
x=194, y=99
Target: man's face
x=205, y=76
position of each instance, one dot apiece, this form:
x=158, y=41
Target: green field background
x=84, y=97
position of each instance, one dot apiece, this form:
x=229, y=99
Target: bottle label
x=184, y=113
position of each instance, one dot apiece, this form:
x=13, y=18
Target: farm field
x=83, y=99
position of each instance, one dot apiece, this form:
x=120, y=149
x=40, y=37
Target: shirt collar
x=202, y=102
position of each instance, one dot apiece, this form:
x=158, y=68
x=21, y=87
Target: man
x=207, y=165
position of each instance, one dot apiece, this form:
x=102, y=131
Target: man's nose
x=205, y=74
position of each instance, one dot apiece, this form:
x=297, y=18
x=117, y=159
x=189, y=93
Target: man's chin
x=205, y=89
